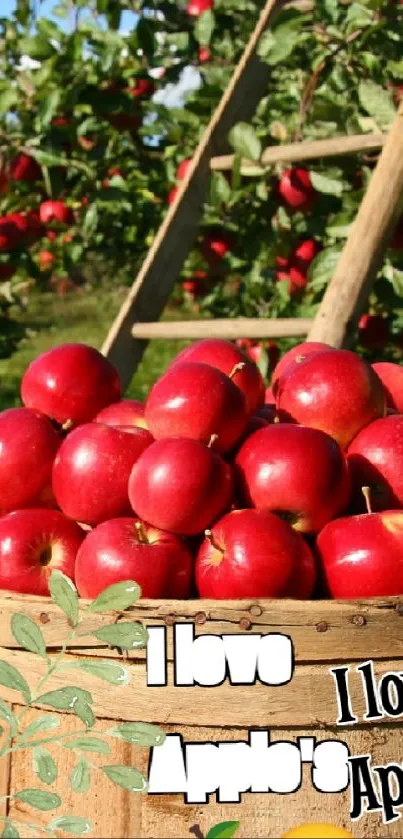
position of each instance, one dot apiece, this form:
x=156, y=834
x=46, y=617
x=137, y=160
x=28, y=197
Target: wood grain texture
x=228, y=328
x=149, y=294
x=307, y=150
x=322, y=630
x=116, y=813
x=308, y=700
x=362, y=256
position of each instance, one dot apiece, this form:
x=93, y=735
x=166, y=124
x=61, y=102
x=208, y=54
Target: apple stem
x=276, y=419
x=237, y=369
x=366, y=491
x=210, y=538
x=213, y=439
x=68, y=425
x=141, y=534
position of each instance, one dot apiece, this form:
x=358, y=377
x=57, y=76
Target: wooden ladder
x=137, y=321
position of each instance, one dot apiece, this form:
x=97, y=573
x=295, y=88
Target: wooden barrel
x=324, y=635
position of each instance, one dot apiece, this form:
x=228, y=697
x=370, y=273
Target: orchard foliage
x=89, y=160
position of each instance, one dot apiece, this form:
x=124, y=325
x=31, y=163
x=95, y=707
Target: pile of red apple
x=217, y=486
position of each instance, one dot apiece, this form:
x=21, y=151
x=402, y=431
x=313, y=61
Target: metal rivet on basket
x=358, y=620
x=322, y=626
x=245, y=623
x=256, y=610
x=200, y=617
x=169, y=620
x=44, y=617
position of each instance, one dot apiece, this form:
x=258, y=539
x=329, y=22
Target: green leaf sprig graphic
x=43, y=730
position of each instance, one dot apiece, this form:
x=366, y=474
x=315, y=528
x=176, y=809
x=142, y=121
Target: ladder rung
x=223, y=328
x=308, y=150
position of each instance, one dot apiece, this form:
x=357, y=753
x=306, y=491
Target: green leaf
x=40, y=724
x=71, y=824
x=377, y=102
x=64, y=699
x=127, y=777
x=45, y=158
x=322, y=268
x=223, y=830
x=28, y=635
x=326, y=184
x=110, y=671
x=84, y=712
x=88, y=744
x=8, y=98
x=10, y=677
x=90, y=224
x=64, y=594
x=10, y=832
x=80, y=778
x=39, y=799
x=140, y=733
x=118, y=596
x=220, y=190
x=48, y=107
x=204, y=28
x=44, y=765
x=245, y=142
x=7, y=715
x=37, y=47
x=125, y=635
x=275, y=46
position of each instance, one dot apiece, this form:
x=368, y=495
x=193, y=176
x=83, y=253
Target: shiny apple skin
x=196, y=401
x=375, y=459
x=297, y=471
x=334, y=391
x=28, y=447
x=24, y=536
x=253, y=553
x=180, y=485
x=125, y=412
x=72, y=382
x=391, y=376
x=114, y=552
x=300, y=351
x=92, y=468
x=362, y=556
x=224, y=355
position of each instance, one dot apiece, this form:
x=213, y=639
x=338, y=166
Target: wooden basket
x=324, y=634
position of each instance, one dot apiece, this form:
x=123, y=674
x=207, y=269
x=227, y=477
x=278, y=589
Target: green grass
x=86, y=317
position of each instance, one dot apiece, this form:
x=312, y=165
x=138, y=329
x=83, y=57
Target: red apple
x=70, y=383
x=391, y=376
x=305, y=252
x=143, y=88
x=195, y=400
x=4, y=181
x=335, y=391
x=182, y=169
x=125, y=412
x=172, y=195
x=46, y=260
x=375, y=459
x=373, y=331
x=247, y=553
x=198, y=7
x=269, y=397
x=297, y=354
x=92, y=468
x=51, y=235
x=128, y=549
x=10, y=234
x=33, y=543
x=296, y=190
x=215, y=245
x=297, y=472
x=28, y=446
x=204, y=55
x=180, y=485
x=226, y=357
x=56, y=211
x=362, y=555
x=25, y=168
x=303, y=581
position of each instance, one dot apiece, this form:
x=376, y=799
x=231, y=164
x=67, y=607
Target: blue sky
x=8, y=6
